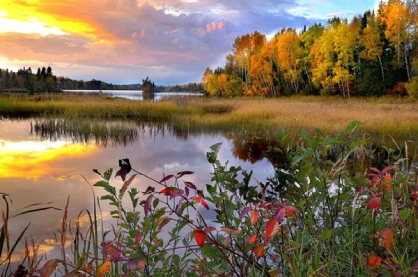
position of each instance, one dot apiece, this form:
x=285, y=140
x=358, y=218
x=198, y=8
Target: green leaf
x=102, y=184
x=352, y=126
x=282, y=135
x=176, y=259
x=211, y=156
x=327, y=234
x=404, y=214
x=296, y=159
x=211, y=189
x=303, y=134
x=108, y=197
x=108, y=174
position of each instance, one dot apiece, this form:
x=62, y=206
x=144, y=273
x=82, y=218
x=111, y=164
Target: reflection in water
x=136, y=94
x=37, y=154
x=251, y=149
x=248, y=148
x=31, y=159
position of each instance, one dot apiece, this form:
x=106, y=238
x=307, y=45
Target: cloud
x=172, y=41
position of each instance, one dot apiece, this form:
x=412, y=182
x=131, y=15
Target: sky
x=124, y=41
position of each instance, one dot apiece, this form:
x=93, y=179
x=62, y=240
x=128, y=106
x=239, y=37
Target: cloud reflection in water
x=32, y=169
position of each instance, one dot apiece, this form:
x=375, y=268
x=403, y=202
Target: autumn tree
x=396, y=17
x=372, y=42
x=307, y=40
x=290, y=57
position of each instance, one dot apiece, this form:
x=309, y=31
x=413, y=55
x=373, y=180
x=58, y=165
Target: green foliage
x=412, y=85
x=317, y=216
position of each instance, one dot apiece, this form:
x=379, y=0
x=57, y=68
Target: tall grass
x=394, y=116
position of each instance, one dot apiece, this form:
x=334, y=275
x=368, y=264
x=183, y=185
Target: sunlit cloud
x=33, y=26
x=31, y=159
x=121, y=38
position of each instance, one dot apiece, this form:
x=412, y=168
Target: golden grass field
x=395, y=116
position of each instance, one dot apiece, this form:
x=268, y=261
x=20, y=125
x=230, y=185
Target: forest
x=25, y=80
x=372, y=55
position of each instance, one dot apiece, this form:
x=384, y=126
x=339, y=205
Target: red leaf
x=182, y=173
x=147, y=205
x=200, y=193
x=201, y=201
x=253, y=217
x=171, y=191
x=252, y=239
x=179, y=204
x=272, y=227
x=259, y=251
x=163, y=221
x=125, y=168
x=209, y=229
x=373, y=260
x=48, y=268
x=138, y=238
x=141, y=264
x=291, y=211
x=374, y=169
x=231, y=231
x=166, y=178
x=386, y=169
x=108, y=248
x=200, y=237
x=387, y=236
x=148, y=190
x=190, y=185
x=157, y=241
x=244, y=212
x=127, y=183
x=227, y=240
x=373, y=202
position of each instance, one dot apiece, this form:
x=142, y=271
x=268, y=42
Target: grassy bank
x=394, y=116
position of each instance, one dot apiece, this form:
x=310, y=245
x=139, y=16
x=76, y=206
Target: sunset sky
x=124, y=41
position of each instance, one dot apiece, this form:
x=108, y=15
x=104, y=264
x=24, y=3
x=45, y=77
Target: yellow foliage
x=103, y=268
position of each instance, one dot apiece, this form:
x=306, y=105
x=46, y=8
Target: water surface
x=39, y=168
x=135, y=94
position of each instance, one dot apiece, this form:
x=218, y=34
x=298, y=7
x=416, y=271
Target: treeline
x=67, y=83
x=190, y=87
x=371, y=55
x=26, y=80
x=45, y=81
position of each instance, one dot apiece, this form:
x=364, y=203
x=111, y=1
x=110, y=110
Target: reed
x=394, y=116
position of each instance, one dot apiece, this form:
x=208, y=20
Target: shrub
x=314, y=217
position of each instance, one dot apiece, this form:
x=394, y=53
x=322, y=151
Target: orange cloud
x=60, y=18
x=31, y=159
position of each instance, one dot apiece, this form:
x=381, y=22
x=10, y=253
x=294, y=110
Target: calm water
x=135, y=94
x=35, y=169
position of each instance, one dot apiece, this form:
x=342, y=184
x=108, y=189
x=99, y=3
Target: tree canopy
x=373, y=54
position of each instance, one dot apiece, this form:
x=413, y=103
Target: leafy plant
x=319, y=215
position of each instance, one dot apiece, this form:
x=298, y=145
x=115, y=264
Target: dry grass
x=398, y=117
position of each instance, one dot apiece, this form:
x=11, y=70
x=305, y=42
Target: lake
x=39, y=167
x=135, y=94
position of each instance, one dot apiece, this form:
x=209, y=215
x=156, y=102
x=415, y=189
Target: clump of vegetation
x=314, y=217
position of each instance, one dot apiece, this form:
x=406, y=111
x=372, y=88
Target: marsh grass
x=395, y=116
